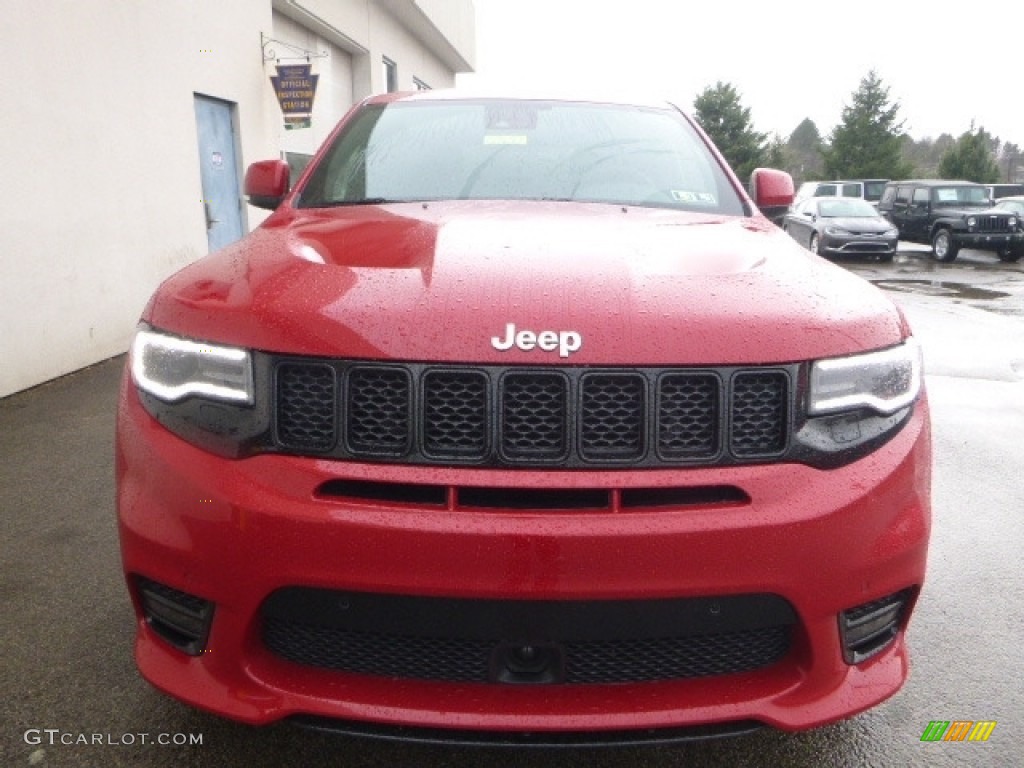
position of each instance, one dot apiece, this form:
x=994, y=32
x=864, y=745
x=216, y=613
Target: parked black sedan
x=841, y=226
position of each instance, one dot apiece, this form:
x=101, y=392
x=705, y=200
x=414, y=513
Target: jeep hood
x=436, y=282
x=954, y=211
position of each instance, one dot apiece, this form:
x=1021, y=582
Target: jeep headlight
x=173, y=368
x=1012, y=222
x=884, y=381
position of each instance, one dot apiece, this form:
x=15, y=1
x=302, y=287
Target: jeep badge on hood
x=566, y=342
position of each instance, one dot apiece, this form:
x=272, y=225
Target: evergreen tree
x=924, y=155
x=804, y=148
x=867, y=143
x=777, y=154
x=719, y=111
x=1009, y=161
x=971, y=158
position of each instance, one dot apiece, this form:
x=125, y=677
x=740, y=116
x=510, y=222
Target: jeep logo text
x=566, y=342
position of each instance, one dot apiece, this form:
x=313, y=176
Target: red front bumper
x=233, y=532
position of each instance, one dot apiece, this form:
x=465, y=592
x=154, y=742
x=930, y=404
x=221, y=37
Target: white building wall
x=100, y=145
x=389, y=38
x=104, y=198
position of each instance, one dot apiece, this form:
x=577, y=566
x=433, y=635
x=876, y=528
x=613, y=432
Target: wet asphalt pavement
x=67, y=671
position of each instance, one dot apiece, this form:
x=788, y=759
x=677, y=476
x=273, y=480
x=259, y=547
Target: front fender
x=954, y=225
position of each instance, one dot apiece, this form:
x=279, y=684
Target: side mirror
x=771, y=190
x=267, y=182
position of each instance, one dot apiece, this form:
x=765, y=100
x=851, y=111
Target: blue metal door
x=218, y=167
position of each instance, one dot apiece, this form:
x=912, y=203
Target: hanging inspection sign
x=295, y=86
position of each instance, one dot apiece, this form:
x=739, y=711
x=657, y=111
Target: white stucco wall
x=105, y=198
x=391, y=39
x=100, y=146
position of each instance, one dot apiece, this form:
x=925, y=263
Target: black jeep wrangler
x=950, y=215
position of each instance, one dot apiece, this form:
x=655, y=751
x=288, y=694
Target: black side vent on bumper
x=183, y=620
x=554, y=417
x=868, y=628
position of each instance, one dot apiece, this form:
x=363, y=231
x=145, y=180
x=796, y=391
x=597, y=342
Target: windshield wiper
x=357, y=201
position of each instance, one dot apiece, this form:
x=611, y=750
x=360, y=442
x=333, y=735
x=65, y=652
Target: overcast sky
x=946, y=64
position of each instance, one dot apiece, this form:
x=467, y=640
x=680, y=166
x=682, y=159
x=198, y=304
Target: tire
x=943, y=246
x=1010, y=256
x=885, y=258
x=813, y=245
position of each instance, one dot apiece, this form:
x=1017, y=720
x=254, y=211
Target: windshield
x=847, y=208
x=520, y=150
x=946, y=196
x=873, y=190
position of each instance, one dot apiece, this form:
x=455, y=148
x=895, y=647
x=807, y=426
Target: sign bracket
x=269, y=54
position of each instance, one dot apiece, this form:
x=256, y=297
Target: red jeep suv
x=517, y=421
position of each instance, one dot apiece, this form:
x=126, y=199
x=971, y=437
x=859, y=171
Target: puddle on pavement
x=941, y=288
x=981, y=298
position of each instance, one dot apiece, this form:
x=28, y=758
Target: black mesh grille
x=468, y=640
x=507, y=416
x=455, y=412
x=305, y=406
x=612, y=417
x=759, y=414
x=675, y=657
x=688, y=415
x=534, y=415
x=468, y=660
x=373, y=653
x=379, y=412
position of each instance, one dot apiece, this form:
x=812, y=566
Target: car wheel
x=813, y=245
x=886, y=257
x=943, y=246
x=1010, y=256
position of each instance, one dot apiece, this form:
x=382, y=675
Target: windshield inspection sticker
x=686, y=196
x=504, y=138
